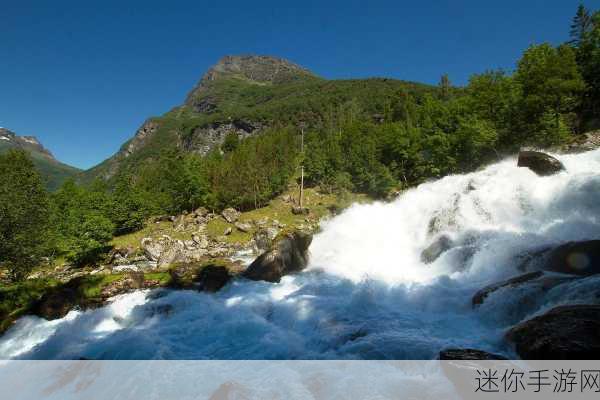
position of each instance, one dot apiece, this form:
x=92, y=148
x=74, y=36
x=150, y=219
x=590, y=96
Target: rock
x=227, y=231
x=263, y=238
x=119, y=260
x=57, y=303
x=200, y=212
x=243, y=226
x=565, y=332
x=436, y=249
x=540, y=163
x=577, y=258
x=480, y=296
x=213, y=277
x=166, y=250
x=208, y=277
x=231, y=215
x=289, y=254
x=151, y=249
x=585, y=142
x=468, y=354
x=201, y=241
x=296, y=210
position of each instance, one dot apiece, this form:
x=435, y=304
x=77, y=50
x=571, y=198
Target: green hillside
x=248, y=101
x=53, y=172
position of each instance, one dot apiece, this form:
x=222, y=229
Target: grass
x=278, y=209
x=16, y=299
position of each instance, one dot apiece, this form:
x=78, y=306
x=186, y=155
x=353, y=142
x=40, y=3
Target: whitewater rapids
x=366, y=294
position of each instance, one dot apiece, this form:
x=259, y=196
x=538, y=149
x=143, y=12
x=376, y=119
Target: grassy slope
x=277, y=209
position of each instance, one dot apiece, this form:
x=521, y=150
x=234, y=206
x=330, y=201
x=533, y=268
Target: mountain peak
x=11, y=139
x=251, y=68
x=256, y=68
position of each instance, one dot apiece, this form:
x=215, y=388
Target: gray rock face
x=541, y=163
x=288, y=255
x=566, y=332
x=141, y=136
x=205, y=138
x=231, y=215
x=436, y=249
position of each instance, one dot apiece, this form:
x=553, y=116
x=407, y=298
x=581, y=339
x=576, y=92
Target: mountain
x=245, y=95
x=53, y=171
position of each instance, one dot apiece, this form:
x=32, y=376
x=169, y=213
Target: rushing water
x=366, y=294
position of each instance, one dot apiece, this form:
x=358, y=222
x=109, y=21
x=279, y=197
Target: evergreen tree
x=582, y=23
x=23, y=214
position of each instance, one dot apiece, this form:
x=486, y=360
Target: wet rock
x=231, y=215
x=481, y=295
x=436, y=249
x=577, y=258
x=243, y=226
x=289, y=254
x=541, y=163
x=563, y=333
x=542, y=280
x=213, y=277
x=468, y=354
x=57, y=303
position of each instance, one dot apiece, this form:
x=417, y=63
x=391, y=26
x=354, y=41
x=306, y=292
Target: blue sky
x=82, y=76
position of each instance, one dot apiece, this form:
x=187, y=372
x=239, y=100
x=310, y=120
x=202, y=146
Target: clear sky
x=83, y=75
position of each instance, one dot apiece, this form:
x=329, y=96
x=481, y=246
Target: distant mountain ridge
x=246, y=95
x=53, y=171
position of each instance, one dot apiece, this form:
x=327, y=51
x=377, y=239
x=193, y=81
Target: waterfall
x=367, y=292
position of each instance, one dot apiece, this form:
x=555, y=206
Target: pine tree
x=445, y=86
x=582, y=23
x=23, y=214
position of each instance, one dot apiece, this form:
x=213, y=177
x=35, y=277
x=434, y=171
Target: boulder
x=288, y=254
x=227, y=231
x=436, y=249
x=243, y=226
x=208, y=277
x=577, y=258
x=231, y=215
x=567, y=332
x=263, y=238
x=468, y=354
x=57, y=303
x=541, y=163
x=213, y=277
x=481, y=295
